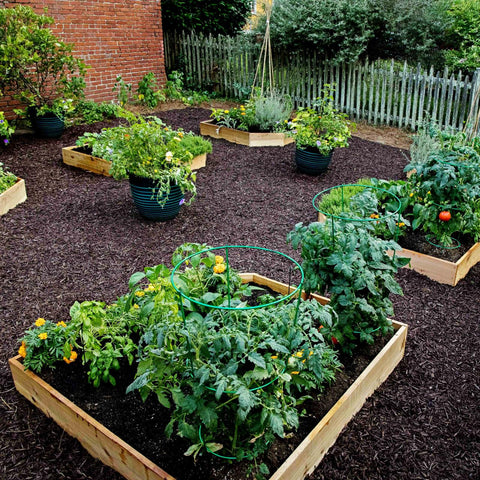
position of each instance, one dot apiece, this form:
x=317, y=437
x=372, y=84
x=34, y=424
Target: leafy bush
x=6, y=129
x=464, y=35
x=39, y=68
x=204, y=16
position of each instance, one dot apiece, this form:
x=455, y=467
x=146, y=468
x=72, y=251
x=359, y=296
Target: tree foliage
x=37, y=66
x=218, y=17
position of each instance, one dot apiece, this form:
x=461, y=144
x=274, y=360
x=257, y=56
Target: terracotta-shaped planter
x=250, y=139
x=74, y=157
x=438, y=269
x=14, y=195
x=116, y=453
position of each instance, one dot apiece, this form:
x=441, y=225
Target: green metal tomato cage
x=293, y=292
x=345, y=218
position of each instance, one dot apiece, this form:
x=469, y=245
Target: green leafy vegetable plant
x=148, y=92
x=351, y=264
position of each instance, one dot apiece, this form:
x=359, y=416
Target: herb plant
x=6, y=129
x=351, y=264
x=7, y=179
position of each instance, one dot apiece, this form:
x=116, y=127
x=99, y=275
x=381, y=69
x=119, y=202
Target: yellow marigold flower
x=374, y=215
x=226, y=111
x=43, y=336
x=219, y=268
x=242, y=107
x=166, y=129
x=218, y=259
x=304, y=360
x=22, y=351
x=150, y=288
x=136, y=306
x=411, y=194
x=294, y=373
x=139, y=293
x=73, y=357
x=180, y=134
x=39, y=322
x=401, y=224
x=274, y=357
x=61, y=324
x=429, y=192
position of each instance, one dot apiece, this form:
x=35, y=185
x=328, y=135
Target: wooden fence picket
x=376, y=91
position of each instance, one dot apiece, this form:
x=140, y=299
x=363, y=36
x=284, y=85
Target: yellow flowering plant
x=45, y=344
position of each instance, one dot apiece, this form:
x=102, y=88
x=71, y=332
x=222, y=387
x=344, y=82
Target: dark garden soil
x=79, y=237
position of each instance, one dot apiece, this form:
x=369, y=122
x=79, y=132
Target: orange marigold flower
x=22, y=351
x=73, y=357
x=374, y=215
x=39, y=322
x=294, y=373
x=274, y=357
x=43, y=336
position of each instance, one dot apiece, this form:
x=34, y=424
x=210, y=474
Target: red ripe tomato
x=445, y=216
x=334, y=341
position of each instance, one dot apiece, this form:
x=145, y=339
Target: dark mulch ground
x=79, y=237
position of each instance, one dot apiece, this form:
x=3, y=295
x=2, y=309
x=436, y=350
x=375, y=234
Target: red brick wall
x=113, y=37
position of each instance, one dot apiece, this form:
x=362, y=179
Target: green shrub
x=7, y=179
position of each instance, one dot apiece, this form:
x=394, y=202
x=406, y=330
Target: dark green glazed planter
x=312, y=163
x=144, y=194
x=48, y=126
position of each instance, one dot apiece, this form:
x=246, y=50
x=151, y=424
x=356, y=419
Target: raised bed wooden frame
x=438, y=269
x=250, y=139
x=13, y=196
x=114, y=452
x=71, y=156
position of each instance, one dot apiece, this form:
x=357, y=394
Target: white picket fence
x=379, y=92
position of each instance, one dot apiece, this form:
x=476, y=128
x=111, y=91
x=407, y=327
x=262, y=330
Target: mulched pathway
x=79, y=237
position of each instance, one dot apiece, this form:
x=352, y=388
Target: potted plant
x=39, y=69
x=254, y=124
x=154, y=160
x=317, y=131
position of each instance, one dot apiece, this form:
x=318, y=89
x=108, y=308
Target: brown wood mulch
x=79, y=237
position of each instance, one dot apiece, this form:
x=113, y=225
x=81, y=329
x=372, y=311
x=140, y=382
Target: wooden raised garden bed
x=75, y=158
x=442, y=271
x=13, y=196
x=438, y=269
x=251, y=139
x=116, y=453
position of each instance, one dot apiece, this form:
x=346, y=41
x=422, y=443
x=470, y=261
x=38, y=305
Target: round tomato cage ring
x=229, y=306
x=431, y=239
x=346, y=214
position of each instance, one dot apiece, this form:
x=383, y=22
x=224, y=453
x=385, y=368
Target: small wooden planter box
x=442, y=271
x=116, y=453
x=13, y=196
x=244, y=138
x=438, y=269
x=73, y=157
